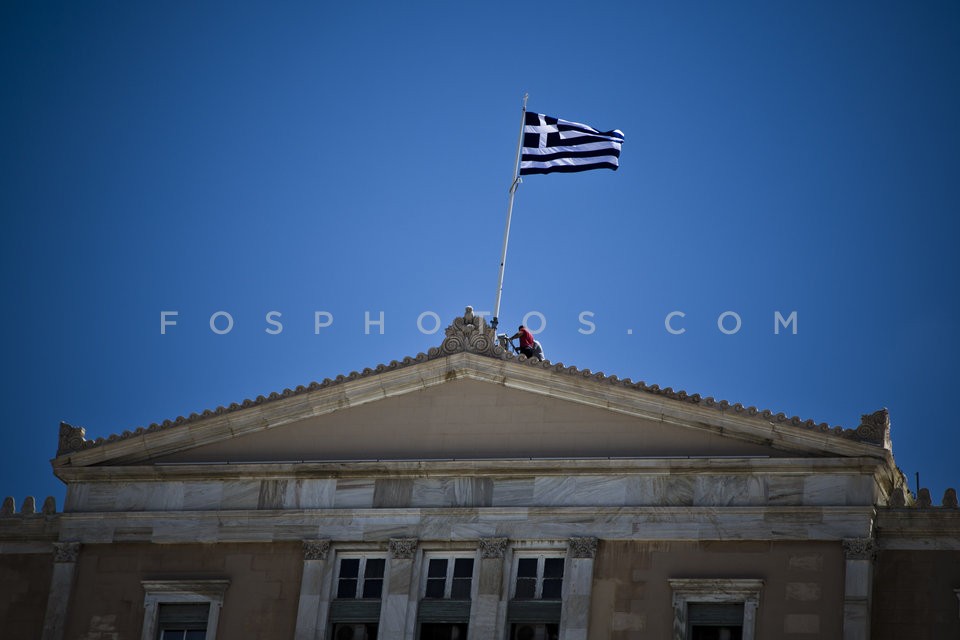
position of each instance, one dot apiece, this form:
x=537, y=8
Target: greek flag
x=551, y=144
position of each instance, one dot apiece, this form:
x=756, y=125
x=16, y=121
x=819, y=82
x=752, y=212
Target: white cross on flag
x=551, y=144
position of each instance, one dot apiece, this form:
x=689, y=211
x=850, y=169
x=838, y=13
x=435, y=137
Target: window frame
x=744, y=591
x=451, y=557
x=542, y=557
x=361, y=574
x=157, y=592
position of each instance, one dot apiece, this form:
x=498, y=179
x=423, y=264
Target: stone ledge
x=517, y=524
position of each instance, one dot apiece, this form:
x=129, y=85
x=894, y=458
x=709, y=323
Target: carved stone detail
x=316, y=549
x=874, y=428
x=71, y=438
x=470, y=333
x=950, y=498
x=9, y=507
x=859, y=548
x=66, y=551
x=29, y=506
x=923, y=498
x=492, y=547
x=49, y=506
x=403, y=548
x=583, y=547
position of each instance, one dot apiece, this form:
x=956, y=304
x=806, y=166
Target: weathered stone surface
x=801, y=623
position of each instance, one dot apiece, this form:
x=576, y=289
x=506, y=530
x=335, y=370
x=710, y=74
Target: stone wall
x=261, y=601
x=915, y=595
x=801, y=596
x=24, y=583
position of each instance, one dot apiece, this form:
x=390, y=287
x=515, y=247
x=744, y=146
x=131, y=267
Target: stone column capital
x=583, y=547
x=492, y=547
x=403, y=548
x=316, y=549
x=859, y=548
x=66, y=551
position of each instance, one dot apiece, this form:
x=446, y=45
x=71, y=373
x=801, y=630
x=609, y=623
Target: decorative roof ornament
x=29, y=506
x=471, y=334
x=71, y=438
x=874, y=428
x=950, y=498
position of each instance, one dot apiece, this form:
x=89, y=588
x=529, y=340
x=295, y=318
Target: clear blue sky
x=355, y=157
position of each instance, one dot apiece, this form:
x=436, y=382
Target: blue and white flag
x=551, y=144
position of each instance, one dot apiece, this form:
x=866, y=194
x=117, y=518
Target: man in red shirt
x=526, y=341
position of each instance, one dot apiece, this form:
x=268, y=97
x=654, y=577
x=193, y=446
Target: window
x=446, y=585
x=531, y=631
x=360, y=577
x=443, y=631
x=709, y=621
x=355, y=611
x=352, y=631
x=182, y=609
x=449, y=578
x=534, y=610
x=718, y=609
x=183, y=621
x=539, y=578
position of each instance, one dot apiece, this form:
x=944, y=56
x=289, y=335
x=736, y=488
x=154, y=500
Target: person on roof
x=528, y=346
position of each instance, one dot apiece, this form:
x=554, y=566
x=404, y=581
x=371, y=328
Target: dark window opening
x=713, y=621
x=535, y=631
x=349, y=578
x=360, y=578
x=182, y=621
x=552, y=578
x=436, y=578
x=354, y=631
x=373, y=578
x=443, y=631
x=526, y=578
x=539, y=578
x=448, y=578
x=704, y=632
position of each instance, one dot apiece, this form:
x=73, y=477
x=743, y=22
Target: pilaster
x=486, y=614
x=396, y=618
x=61, y=585
x=577, y=586
x=314, y=602
x=857, y=587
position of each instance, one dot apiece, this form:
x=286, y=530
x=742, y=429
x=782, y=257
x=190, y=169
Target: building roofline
x=471, y=334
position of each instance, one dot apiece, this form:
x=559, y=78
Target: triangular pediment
x=470, y=419
x=470, y=399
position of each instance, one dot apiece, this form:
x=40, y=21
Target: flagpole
x=506, y=232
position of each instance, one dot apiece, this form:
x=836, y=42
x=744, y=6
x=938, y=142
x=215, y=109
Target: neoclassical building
x=469, y=494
